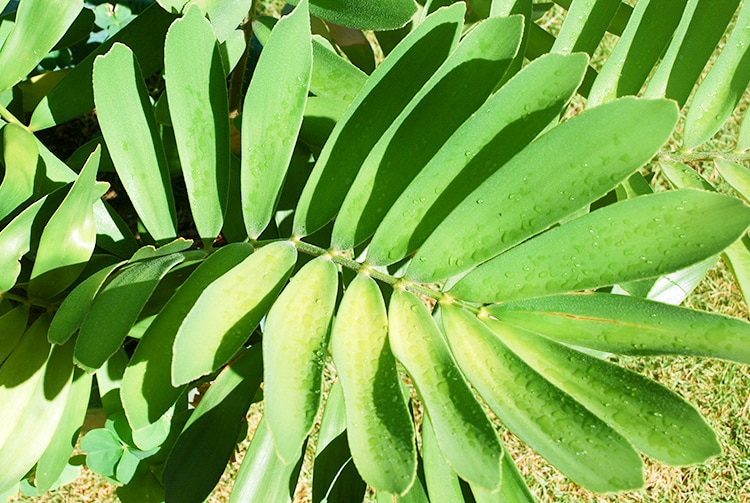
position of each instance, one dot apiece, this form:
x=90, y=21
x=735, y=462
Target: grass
x=719, y=390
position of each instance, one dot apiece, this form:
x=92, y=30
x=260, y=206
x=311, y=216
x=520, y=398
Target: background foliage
x=439, y=208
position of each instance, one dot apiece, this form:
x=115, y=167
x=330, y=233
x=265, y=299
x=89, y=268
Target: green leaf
x=74, y=95
x=133, y=139
x=738, y=259
x=12, y=326
x=20, y=155
x=42, y=413
x=654, y=419
x=116, y=308
x=736, y=175
x=441, y=481
x=683, y=176
x=295, y=342
x=584, y=26
x=509, y=120
x=199, y=109
x=38, y=27
x=103, y=451
x=207, y=440
x=275, y=101
x=696, y=38
x=561, y=172
x=513, y=488
x=68, y=239
x=55, y=458
x=228, y=310
x=629, y=325
x=559, y=428
x=76, y=305
x=476, y=66
x=722, y=89
x=647, y=34
x=380, y=428
x=364, y=14
x=333, y=76
x=634, y=239
x=147, y=391
x=388, y=90
x=463, y=432
x=263, y=476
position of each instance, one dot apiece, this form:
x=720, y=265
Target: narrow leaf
x=228, y=310
x=441, y=481
x=133, y=139
x=199, y=110
x=38, y=27
x=295, y=343
x=116, y=308
x=736, y=175
x=629, y=325
x=584, y=26
x=509, y=120
x=390, y=87
x=738, y=260
x=333, y=76
x=275, y=101
x=20, y=155
x=559, y=428
x=634, y=239
x=379, y=426
x=425, y=124
x=462, y=430
x=563, y=171
x=12, y=326
x=364, y=14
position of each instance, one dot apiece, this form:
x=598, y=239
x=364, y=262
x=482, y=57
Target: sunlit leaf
x=20, y=155
x=364, y=14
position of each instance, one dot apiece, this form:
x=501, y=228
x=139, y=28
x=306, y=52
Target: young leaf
x=569, y=167
x=114, y=311
x=646, y=36
x=559, y=428
x=207, y=441
x=629, y=325
x=654, y=419
x=38, y=27
x=295, y=342
x=74, y=95
x=228, y=310
x=275, y=101
x=388, y=90
x=364, y=14
x=20, y=155
x=379, y=426
x=722, y=89
x=68, y=239
x=133, y=139
x=463, y=432
x=199, y=109
x=425, y=124
x=147, y=391
x=634, y=239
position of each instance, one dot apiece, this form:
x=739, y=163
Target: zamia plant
x=423, y=239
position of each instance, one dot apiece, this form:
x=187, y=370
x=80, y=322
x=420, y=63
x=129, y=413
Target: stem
x=708, y=156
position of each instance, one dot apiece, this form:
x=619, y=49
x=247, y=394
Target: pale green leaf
x=333, y=76
x=20, y=155
x=737, y=175
x=275, y=101
x=441, y=481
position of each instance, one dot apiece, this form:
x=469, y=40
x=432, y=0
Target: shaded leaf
x=364, y=14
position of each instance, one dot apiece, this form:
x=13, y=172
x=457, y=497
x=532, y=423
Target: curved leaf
x=379, y=426
x=364, y=14
x=275, y=101
x=133, y=139
x=20, y=155
x=425, y=124
x=561, y=172
x=38, y=27
x=509, y=120
x=295, y=342
x=228, y=310
x=629, y=325
x=654, y=419
x=390, y=87
x=559, y=428
x=116, y=308
x=462, y=430
x=199, y=110
x=68, y=239
x=633, y=239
